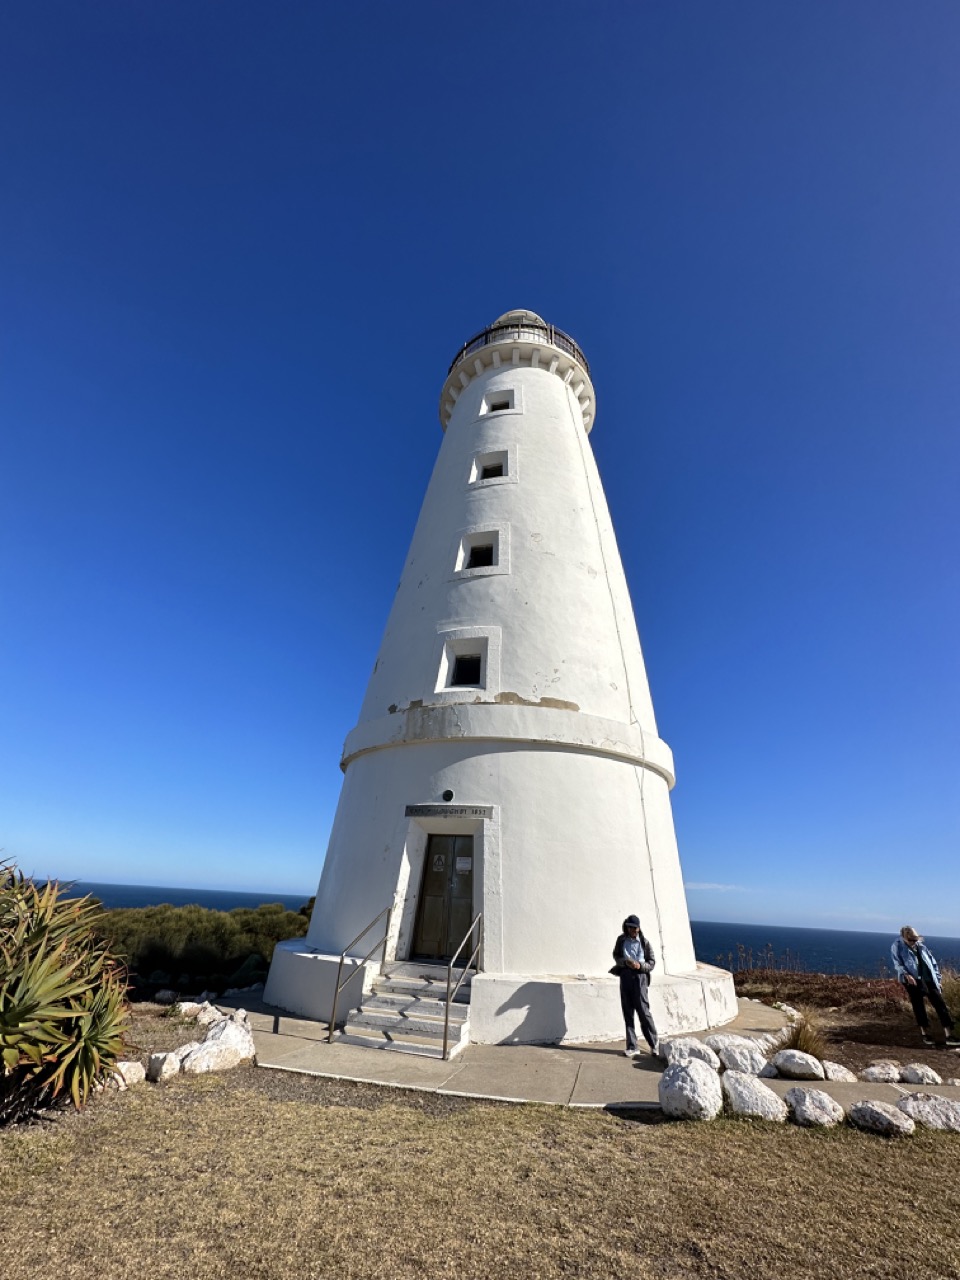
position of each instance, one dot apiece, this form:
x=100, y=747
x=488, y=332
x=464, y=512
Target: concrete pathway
x=583, y=1075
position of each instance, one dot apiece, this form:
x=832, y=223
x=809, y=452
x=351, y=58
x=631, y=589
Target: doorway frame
x=414, y=832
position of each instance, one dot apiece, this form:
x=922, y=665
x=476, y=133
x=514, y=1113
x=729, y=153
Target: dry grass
x=807, y=1034
x=152, y=1028
x=263, y=1175
x=951, y=991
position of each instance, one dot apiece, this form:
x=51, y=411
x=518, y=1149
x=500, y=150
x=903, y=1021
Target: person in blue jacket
x=919, y=972
x=633, y=963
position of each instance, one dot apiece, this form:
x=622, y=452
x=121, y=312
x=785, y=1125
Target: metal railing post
x=388, y=912
x=451, y=996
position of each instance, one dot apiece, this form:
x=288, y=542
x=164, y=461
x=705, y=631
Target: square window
x=501, y=401
x=478, y=549
x=497, y=465
x=467, y=665
x=481, y=555
x=467, y=669
x=481, y=551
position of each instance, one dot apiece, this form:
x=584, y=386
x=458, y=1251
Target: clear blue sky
x=240, y=244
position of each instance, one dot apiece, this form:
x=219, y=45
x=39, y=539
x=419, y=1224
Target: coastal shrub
x=882, y=996
x=805, y=1034
x=194, y=946
x=950, y=978
x=62, y=997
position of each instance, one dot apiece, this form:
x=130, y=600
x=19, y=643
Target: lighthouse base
x=520, y=1009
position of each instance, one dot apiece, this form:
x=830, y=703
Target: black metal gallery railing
x=527, y=331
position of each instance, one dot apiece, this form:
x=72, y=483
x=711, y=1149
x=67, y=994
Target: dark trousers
x=916, y=994
x=633, y=999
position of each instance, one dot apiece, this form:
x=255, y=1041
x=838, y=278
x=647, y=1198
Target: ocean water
x=145, y=895
x=863, y=955
x=728, y=945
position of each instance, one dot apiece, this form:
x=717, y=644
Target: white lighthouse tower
x=506, y=766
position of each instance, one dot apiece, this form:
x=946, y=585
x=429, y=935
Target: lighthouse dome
x=519, y=317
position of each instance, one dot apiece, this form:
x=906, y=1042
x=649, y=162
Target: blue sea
x=864, y=955
x=148, y=895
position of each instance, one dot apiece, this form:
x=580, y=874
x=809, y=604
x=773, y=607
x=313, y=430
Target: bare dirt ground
x=863, y=1018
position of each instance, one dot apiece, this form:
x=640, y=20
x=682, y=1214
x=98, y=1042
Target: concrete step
x=415, y=1005
x=424, y=1047
x=392, y=1020
x=418, y=969
x=422, y=988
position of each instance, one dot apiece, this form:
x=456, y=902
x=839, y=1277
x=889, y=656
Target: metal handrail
x=527, y=329
x=382, y=942
x=452, y=994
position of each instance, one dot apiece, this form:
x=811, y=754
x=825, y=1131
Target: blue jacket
x=905, y=962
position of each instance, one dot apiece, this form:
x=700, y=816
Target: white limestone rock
x=813, y=1108
x=919, y=1073
x=186, y=1049
x=690, y=1090
x=735, y=1057
x=931, y=1111
x=769, y=1072
x=687, y=1048
x=880, y=1117
x=130, y=1073
x=724, y=1040
x=798, y=1066
x=235, y=1034
x=747, y=1096
x=215, y=1055
x=229, y=1041
x=188, y=1009
x=954, y=1080
x=162, y=1066
x=834, y=1071
x=882, y=1072
x=788, y=1009
x=208, y=1015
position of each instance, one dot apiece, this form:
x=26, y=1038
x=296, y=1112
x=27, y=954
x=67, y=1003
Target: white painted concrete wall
x=572, y=636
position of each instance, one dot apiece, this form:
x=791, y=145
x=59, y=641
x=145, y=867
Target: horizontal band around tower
x=512, y=722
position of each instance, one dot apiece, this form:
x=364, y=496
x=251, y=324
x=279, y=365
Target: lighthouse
x=506, y=793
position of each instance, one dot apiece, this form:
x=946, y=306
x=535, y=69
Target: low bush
x=822, y=990
x=62, y=997
x=805, y=1034
x=950, y=980
x=192, y=946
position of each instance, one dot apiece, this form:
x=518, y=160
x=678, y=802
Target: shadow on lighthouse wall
x=536, y=1014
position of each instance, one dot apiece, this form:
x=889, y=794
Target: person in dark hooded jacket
x=633, y=962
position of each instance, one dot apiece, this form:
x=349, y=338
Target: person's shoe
x=927, y=1039
x=655, y=1049
x=952, y=1041
x=629, y=1053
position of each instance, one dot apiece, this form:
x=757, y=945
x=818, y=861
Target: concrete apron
x=583, y=1075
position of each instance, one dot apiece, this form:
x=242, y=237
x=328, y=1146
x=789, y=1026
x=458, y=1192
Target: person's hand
x=911, y=982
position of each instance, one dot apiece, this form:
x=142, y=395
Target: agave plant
x=62, y=997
